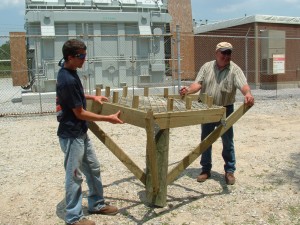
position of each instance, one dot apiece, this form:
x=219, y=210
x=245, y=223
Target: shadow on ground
x=151, y=212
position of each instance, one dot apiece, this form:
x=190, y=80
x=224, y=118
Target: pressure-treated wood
x=157, y=115
x=156, y=162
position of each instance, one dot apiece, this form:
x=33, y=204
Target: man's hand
x=115, y=118
x=249, y=99
x=183, y=91
x=100, y=99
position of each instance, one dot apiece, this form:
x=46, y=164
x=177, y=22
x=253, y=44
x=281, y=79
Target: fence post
x=178, y=56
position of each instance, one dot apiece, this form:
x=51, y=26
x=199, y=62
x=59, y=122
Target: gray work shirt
x=221, y=84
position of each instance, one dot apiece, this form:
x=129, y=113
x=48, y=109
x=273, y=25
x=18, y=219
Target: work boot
x=203, y=176
x=106, y=210
x=229, y=178
x=83, y=222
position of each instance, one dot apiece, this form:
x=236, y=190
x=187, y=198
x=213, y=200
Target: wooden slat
x=187, y=118
x=209, y=140
x=193, y=97
x=118, y=152
x=128, y=115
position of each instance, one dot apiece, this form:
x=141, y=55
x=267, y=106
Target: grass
x=294, y=212
x=5, y=71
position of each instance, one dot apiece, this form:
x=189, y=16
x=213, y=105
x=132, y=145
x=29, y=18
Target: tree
x=5, y=51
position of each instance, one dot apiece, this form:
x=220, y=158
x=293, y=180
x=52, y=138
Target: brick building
x=181, y=12
x=267, y=48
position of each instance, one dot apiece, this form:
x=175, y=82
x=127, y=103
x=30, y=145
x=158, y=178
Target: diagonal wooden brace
x=117, y=151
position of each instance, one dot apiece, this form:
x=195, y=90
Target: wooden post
x=115, y=97
x=203, y=98
x=152, y=184
x=107, y=92
x=209, y=101
x=170, y=104
x=98, y=91
x=188, y=102
x=146, y=91
x=166, y=92
x=125, y=91
x=135, y=102
x=157, y=160
x=96, y=106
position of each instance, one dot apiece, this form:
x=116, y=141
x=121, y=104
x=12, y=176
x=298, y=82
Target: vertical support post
x=209, y=101
x=135, y=102
x=188, y=102
x=107, y=91
x=146, y=91
x=156, y=160
x=115, y=97
x=125, y=91
x=96, y=106
x=203, y=98
x=166, y=92
x=98, y=91
x=170, y=104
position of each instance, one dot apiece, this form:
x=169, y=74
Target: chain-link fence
x=27, y=81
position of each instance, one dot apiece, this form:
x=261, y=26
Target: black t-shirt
x=69, y=95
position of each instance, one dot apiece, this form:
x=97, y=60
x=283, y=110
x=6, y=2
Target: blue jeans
x=228, y=146
x=80, y=159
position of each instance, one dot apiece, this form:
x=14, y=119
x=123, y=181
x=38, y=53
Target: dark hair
x=71, y=47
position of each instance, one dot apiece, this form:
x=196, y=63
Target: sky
x=218, y=10
x=12, y=11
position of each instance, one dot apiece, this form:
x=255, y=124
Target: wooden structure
x=157, y=114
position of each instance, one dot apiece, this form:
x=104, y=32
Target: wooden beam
x=128, y=115
x=187, y=118
x=152, y=183
x=194, y=97
x=209, y=140
x=117, y=151
x=157, y=162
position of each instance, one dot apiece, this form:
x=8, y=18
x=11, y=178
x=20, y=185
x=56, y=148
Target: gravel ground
x=268, y=172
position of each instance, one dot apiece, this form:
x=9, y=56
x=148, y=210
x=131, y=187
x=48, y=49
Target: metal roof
x=244, y=20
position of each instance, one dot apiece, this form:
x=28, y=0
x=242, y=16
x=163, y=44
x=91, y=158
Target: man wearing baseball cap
x=220, y=79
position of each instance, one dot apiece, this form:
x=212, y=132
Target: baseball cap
x=223, y=46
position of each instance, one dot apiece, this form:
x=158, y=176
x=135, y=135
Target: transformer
x=125, y=40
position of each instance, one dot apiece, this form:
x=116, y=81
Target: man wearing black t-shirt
x=80, y=158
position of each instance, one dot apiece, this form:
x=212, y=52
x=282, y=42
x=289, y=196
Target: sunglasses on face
x=227, y=52
x=80, y=56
